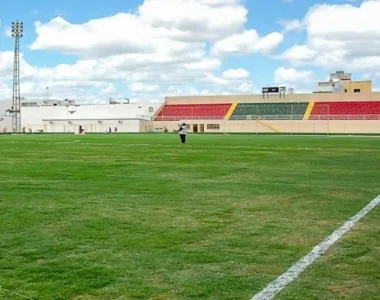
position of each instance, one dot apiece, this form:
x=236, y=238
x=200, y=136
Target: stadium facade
x=295, y=113
x=339, y=105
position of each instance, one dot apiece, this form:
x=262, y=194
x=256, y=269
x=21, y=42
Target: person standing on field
x=182, y=133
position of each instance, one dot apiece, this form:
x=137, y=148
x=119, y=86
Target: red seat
x=353, y=110
x=176, y=112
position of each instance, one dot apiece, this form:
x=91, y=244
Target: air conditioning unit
x=100, y=122
x=51, y=122
x=120, y=122
x=70, y=122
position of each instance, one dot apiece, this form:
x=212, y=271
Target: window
x=345, y=90
x=188, y=126
x=213, y=126
x=356, y=90
x=151, y=109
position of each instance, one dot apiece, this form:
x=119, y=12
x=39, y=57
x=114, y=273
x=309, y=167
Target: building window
x=356, y=90
x=213, y=126
x=151, y=109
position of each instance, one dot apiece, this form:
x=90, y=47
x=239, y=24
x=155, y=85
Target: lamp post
x=17, y=33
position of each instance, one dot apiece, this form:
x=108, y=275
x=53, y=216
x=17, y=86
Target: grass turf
x=142, y=217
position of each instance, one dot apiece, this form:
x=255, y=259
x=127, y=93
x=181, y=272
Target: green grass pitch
x=142, y=217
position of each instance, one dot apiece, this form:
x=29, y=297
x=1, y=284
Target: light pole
x=17, y=33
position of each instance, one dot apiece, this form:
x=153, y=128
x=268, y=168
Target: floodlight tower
x=17, y=33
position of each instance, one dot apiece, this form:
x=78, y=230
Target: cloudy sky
x=146, y=50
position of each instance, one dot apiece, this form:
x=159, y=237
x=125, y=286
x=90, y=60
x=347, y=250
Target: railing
x=266, y=117
x=294, y=117
x=351, y=117
x=185, y=118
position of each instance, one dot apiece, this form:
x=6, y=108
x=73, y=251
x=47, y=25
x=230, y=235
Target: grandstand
x=293, y=113
x=340, y=105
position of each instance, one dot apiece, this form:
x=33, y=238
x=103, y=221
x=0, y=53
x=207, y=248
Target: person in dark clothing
x=182, y=131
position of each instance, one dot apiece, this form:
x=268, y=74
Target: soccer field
x=142, y=217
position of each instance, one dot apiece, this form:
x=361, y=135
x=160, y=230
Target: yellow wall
x=364, y=86
x=273, y=126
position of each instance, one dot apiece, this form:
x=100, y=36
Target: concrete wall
x=39, y=118
x=375, y=96
x=5, y=124
x=279, y=126
x=363, y=86
x=91, y=126
x=32, y=117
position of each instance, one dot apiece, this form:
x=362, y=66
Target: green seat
x=270, y=111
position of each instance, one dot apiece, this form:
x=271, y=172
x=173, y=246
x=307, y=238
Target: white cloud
x=109, y=89
x=299, y=53
x=292, y=76
x=340, y=36
x=236, y=74
x=154, y=29
x=213, y=79
x=106, y=37
x=301, y=81
x=248, y=42
x=141, y=87
x=6, y=65
x=245, y=87
x=144, y=53
x=291, y=25
x=194, y=19
x=369, y=76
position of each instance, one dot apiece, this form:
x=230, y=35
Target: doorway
x=195, y=128
x=201, y=127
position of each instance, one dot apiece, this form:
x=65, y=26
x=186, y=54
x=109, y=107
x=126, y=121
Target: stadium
x=138, y=216
x=274, y=195
x=338, y=106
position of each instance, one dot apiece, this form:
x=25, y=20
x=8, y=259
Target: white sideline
x=274, y=287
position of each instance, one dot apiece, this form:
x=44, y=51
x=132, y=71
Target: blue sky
x=194, y=47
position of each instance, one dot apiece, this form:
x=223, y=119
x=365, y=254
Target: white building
x=5, y=120
x=66, y=116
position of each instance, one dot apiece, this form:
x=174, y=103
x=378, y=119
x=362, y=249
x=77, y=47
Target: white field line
x=274, y=287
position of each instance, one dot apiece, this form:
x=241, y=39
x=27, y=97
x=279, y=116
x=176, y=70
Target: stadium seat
x=353, y=110
x=270, y=111
x=176, y=112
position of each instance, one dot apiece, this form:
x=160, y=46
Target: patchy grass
x=142, y=217
x=348, y=271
